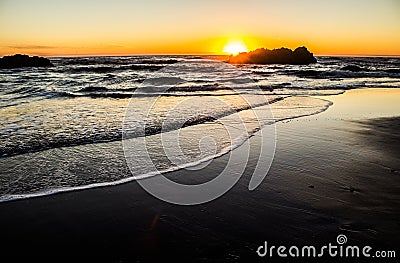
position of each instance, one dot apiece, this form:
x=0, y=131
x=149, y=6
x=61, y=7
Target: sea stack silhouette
x=20, y=61
x=300, y=56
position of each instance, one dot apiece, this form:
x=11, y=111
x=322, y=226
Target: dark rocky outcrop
x=300, y=56
x=20, y=61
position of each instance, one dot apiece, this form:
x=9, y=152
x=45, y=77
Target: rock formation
x=300, y=56
x=19, y=61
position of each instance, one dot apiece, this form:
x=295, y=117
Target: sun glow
x=235, y=47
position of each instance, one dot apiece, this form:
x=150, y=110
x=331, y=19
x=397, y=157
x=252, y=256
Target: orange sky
x=79, y=27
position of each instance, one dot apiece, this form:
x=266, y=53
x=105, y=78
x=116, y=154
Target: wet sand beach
x=334, y=173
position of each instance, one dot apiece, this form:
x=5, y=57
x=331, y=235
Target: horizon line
x=188, y=54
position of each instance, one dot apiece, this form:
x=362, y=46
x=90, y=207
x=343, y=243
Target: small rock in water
x=20, y=61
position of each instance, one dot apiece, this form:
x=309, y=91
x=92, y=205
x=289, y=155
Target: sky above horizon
x=122, y=27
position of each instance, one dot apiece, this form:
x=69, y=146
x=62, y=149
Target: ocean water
x=62, y=127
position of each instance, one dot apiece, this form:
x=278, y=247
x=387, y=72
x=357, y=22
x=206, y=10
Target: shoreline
x=55, y=191
x=330, y=175
x=61, y=190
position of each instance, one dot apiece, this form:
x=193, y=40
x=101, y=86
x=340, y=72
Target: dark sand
x=334, y=173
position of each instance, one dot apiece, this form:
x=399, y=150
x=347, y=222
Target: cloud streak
x=31, y=47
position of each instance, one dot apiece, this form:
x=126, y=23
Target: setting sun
x=235, y=47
